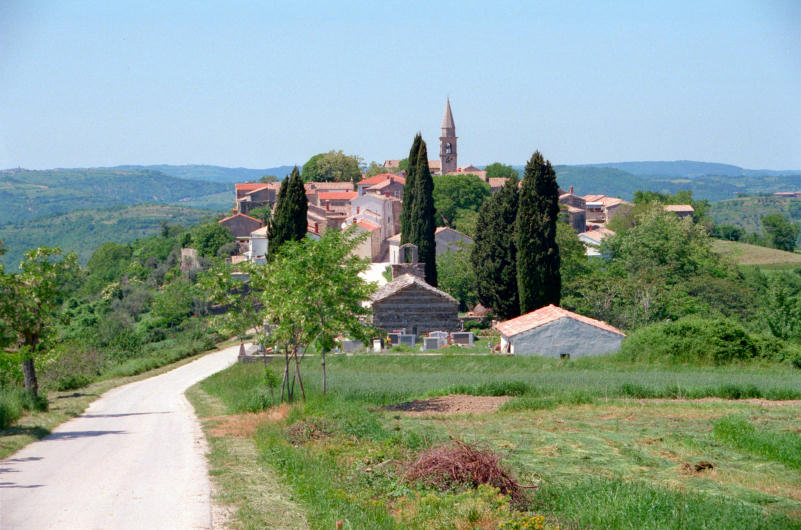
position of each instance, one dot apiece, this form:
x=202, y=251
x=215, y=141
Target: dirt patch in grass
x=453, y=404
x=749, y=401
x=244, y=425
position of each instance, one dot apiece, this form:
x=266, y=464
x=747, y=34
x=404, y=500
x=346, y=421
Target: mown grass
x=343, y=457
x=780, y=446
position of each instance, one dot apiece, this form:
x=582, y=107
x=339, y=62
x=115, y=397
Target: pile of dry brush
x=459, y=463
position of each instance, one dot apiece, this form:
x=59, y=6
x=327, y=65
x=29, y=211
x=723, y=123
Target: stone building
x=408, y=302
x=241, y=225
x=251, y=195
x=551, y=331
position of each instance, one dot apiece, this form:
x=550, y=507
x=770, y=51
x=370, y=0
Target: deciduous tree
x=498, y=170
x=312, y=293
x=30, y=301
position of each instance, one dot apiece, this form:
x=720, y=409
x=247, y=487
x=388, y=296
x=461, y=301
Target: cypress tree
x=494, y=255
x=422, y=222
x=408, y=189
x=289, y=221
x=538, y=279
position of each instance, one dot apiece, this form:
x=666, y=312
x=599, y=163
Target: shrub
x=691, y=340
x=462, y=464
x=14, y=401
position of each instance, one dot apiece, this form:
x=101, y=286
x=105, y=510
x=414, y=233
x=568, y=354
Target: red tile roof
x=240, y=215
x=250, y=186
x=377, y=179
x=337, y=195
x=679, y=208
x=546, y=315
x=367, y=225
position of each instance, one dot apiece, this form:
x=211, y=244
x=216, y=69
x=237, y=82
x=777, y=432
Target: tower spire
x=447, y=120
x=447, y=142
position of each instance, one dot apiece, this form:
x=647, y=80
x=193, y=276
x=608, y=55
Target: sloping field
x=745, y=254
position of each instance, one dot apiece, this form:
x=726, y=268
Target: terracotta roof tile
x=337, y=195
x=377, y=179
x=546, y=315
x=367, y=225
x=240, y=215
x=679, y=208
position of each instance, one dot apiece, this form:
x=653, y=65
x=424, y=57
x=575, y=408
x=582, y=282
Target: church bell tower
x=447, y=143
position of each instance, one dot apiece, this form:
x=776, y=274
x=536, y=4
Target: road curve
x=134, y=459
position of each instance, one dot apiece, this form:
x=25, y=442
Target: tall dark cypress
x=538, y=279
x=494, y=255
x=289, y=220
x=422, y=221
x=408, y=189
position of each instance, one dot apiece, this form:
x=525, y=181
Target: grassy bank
x=598, y=456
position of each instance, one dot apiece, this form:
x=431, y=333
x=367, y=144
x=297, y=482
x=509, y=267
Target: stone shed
x=408, y=302
x=555, y=332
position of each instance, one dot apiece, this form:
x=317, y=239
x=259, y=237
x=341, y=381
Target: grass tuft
x=779, y=446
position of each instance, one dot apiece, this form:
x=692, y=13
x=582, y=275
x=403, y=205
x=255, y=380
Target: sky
x=262, y=84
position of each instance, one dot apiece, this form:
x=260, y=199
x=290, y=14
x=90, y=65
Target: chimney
x=571, y=190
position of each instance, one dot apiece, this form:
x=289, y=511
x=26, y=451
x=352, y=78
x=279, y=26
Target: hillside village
x=374, y=204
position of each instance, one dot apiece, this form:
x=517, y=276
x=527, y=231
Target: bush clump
x=692, y=340
x=460, y=464
x=13, y=401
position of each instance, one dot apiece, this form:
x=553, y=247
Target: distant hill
x=617, y=182
x=85, y=230
x=26, y=194
x=690, y=169
x=745, y=254
x=215, y=173
x=747, y=212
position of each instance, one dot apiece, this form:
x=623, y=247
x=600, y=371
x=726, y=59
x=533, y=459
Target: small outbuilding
x=408, y=302
x=555, y=332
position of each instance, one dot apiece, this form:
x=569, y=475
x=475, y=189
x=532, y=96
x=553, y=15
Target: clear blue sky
x=233, y=83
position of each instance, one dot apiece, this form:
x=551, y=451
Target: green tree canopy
x=498, y=170
x=494, y=254
x=455, y=193
x=30, y=302
x=207, y=238
x=782, y=234
x=538, y=278
x=333, y=166
x=312, y=293
x=456, y=276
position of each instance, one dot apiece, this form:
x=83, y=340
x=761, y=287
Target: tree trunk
x=29, y=371
x=297, y=374
x=322, y=354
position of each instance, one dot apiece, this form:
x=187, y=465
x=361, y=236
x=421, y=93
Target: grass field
x=745, y=254
x=600, y=454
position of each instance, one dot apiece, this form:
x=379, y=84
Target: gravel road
x=134, y=459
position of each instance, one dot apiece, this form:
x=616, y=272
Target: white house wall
x=565, y=335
